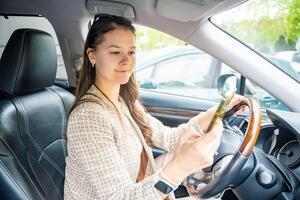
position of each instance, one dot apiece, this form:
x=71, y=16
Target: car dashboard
x=279, y=136
x=281, y=139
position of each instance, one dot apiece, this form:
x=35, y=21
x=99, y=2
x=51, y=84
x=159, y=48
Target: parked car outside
x=291, y=57
x=187, y=71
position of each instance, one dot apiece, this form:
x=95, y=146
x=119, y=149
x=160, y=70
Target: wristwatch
x=163, y=185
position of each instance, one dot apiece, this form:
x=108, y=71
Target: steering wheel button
x=266, y=179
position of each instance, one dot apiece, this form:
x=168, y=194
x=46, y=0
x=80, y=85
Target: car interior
x=259, y=154
x=34, y=116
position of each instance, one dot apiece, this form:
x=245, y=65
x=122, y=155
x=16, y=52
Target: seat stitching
x=27, y=125
x=43, y=154
x=66, y=115
x=65, y=110
x=22, y=47
x=12, y=177
x=57, y=93
x=15, y=156
x=54, y=184
x=48, y=176
x=33, y=140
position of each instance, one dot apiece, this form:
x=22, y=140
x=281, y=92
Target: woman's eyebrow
x=116, y=46
x=113, y=46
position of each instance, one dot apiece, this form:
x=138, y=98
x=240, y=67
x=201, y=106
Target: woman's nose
x=125, y=59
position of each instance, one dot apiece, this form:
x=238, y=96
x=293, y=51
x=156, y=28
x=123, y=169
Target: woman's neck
x=110, y=91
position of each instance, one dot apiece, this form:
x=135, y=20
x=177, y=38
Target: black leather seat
x=33, y=118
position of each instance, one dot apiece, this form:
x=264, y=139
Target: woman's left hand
x=236, y=100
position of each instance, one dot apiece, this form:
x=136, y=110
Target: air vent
x=243, y=126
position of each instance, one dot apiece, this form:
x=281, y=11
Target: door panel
x=171, y=109
x=184, y=106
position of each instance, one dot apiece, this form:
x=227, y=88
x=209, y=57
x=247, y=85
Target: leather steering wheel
x=225, y=178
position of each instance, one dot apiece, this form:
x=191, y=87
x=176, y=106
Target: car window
x=177, y=72
x=252, y=90
x=9, y=24
x=225, y=69
x=265, y=99
x=145, y=74
x=271, y=28
x=175, y=67
x=183, y=71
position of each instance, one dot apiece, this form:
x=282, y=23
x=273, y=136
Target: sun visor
x=187, y=10
x=113, y=8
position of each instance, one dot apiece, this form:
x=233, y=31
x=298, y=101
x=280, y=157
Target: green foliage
x=148, y=39
x=261, y=34
x=293, y=20
x=267, y=26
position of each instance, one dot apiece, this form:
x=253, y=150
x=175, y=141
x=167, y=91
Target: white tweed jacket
x=104, y=147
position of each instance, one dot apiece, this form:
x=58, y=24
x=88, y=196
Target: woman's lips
x=122, y=71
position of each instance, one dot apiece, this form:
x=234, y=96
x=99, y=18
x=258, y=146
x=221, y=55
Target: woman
x=109, y=134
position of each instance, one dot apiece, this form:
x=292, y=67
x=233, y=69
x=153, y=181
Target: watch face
x=163, y=187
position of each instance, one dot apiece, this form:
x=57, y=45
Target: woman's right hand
x=194, y=151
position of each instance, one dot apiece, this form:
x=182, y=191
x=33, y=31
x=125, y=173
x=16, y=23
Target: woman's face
x=115, y=57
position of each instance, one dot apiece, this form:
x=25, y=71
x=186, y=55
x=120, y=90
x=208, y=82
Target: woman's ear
x=91, y=55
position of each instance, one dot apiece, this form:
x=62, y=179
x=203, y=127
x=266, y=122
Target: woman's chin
x=124, y=81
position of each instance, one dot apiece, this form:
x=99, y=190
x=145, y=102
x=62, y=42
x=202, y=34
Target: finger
x=235, y=100
x=189, y=135
x=245, y=109
x=241, y=109
x=217, y=130
x=199, y=132
x=214, y=134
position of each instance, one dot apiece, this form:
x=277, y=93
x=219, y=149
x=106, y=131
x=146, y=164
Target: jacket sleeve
x=166, y=137
x=91, y=140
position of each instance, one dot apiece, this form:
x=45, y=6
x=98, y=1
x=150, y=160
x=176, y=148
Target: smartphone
x=222, y=108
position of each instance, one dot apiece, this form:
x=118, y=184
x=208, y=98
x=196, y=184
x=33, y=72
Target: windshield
x=271, y=28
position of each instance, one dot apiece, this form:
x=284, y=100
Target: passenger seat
x=33, y=119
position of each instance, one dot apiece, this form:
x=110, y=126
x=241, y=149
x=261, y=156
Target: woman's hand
x=236, y=100
x=205, y=117
x=194, y=151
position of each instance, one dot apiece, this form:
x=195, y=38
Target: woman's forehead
x=119, y=38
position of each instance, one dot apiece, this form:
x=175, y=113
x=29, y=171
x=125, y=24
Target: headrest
x=28, y=62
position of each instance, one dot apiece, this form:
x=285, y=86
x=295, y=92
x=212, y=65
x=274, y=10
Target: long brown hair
x=102, y=24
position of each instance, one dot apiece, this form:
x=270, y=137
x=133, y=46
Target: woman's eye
x=131, y=52
x=115, y=53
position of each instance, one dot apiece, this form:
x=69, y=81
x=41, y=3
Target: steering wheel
x=222, y=179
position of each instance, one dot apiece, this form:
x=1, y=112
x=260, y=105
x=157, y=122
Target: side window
x=11, y=23
x=265, y=99
x=181, y=73
x=225, y=69
x=145, y=74
x=169, y=65
x=166, y=64
x=187, y=71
